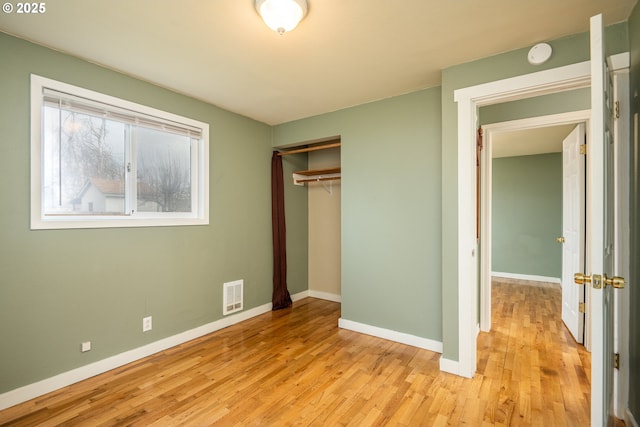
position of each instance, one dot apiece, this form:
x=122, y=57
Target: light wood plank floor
x=295, y=367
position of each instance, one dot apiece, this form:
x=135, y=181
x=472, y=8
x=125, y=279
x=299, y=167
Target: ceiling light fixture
x=281, y=15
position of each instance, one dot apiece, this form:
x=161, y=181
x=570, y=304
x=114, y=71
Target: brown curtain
x=280, y=298
x=478, y=178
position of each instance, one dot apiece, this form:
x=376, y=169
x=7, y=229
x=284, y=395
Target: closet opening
x=322, y=181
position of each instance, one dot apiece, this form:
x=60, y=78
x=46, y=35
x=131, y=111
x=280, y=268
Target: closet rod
x=312, y=148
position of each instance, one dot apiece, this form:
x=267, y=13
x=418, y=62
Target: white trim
x=390, y=335
x=529, y=277
x=469, y=99
x=199, y=167
x=325, y=296
x=569, y=117
x=621, y=252
x=467, y=242
x=596, y=231
x=486, y=181
x=486, y=227
x=569, y=77
x=299, y=296
x=630, y=419
x=31, y=391
x=554, y=80
x=450, y=366
x=620, y=61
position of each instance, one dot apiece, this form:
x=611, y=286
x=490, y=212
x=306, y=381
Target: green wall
x=527, y=215
x=555, y=103
x=391, y=191
x=634, y=279
x=522, y=242
x=61, y=287
x=373, y=253
x=566, y=51
x=399, y=219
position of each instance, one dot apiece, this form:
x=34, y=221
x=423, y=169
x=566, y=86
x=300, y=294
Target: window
x=99, y=161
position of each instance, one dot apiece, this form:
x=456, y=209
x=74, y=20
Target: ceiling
x=529, y=141
x=344, y=53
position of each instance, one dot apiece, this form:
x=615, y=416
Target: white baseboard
x=31, y=391
x=299, y=296
x=390, y=335
x=630, y=419
x=325, y=296
x=453, y=366
x=446, y=365
x=530, y=277
x=450, y=366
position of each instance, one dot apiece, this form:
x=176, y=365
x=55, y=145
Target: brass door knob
x=560, y=239
x=616, y=282
x=581, y=279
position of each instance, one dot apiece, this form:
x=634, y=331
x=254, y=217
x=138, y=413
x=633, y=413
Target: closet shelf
x=316, y=175
x=310, y=148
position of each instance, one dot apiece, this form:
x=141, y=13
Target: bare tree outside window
x=83, y=151
x=87, y=171
x=98, y=161
x=163, y=171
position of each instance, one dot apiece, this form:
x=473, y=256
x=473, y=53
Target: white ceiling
x=344, y=53
x=529, y=141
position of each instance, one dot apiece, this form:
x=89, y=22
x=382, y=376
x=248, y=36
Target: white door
x=600, y=234
x=573, y=199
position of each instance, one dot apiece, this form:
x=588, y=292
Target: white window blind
x=54, y=98
x=100, y=161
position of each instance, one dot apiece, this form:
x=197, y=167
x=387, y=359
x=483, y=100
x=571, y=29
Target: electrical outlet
x=147, y=324
x=85, y=346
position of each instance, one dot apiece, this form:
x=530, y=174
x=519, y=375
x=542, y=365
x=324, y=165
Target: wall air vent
x=232, y=293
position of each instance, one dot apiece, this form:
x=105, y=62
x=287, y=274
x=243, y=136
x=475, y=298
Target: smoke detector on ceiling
x=539, y=54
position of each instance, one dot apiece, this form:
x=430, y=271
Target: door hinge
x=616, y=110
x=583, y=149
x=582, y=308
x=616, y=360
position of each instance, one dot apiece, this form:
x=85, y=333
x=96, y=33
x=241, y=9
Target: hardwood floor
x=295, y=367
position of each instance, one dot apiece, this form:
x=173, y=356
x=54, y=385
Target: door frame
x=621, y=131
x=469, y=99
x=572, y=117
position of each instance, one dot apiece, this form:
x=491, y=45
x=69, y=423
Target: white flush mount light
x=281, y=15
x=539, y=54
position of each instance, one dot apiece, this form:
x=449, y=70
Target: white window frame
x=200, y=177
